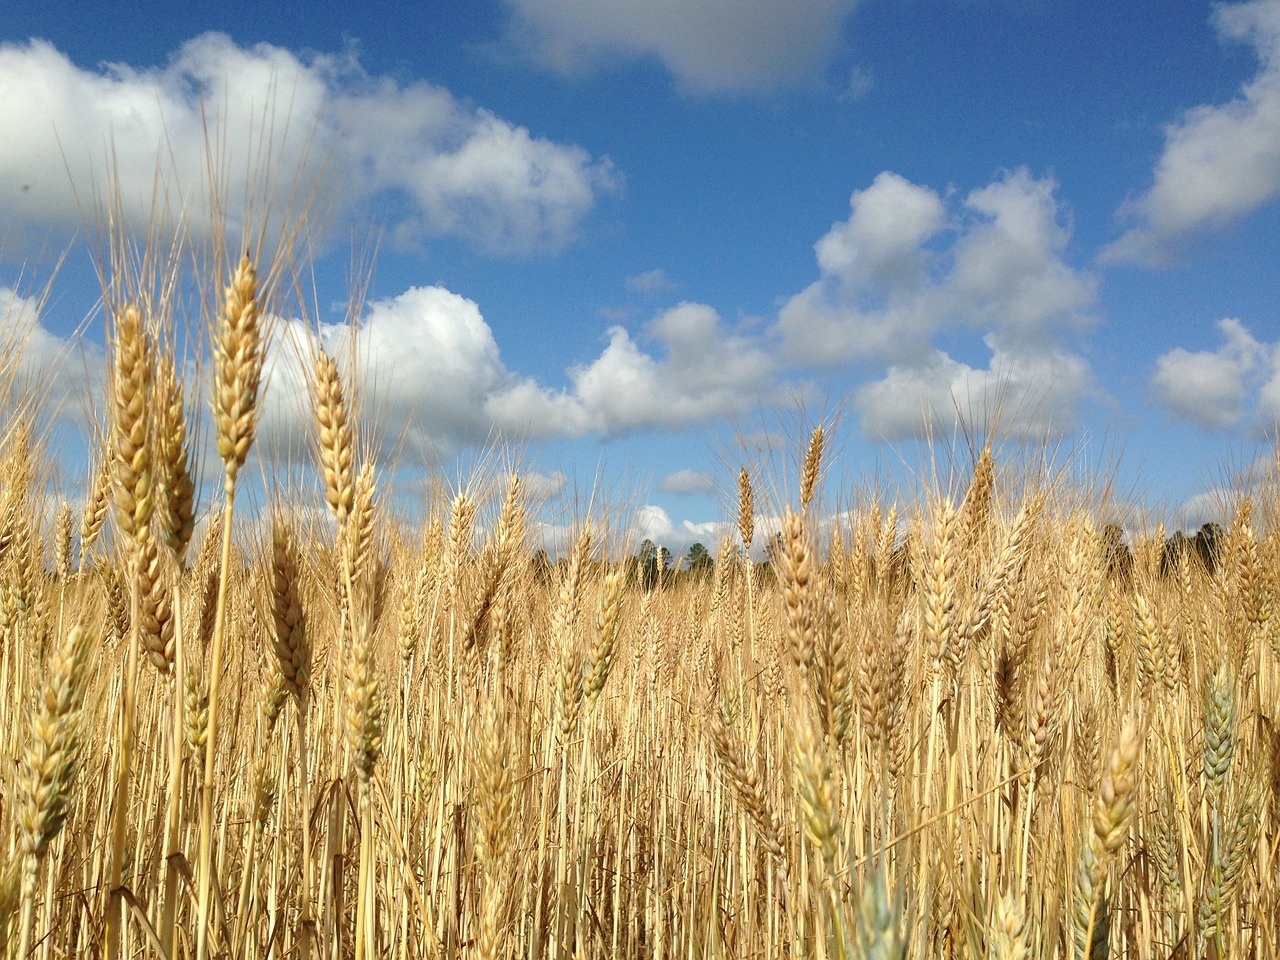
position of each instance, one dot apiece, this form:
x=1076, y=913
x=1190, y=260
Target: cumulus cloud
x=707, y=371
x=427, y=360
x=712, y=46
x=687, y=481
x=654, y=523
x=1028, y=395
x=908, y=266
x=1218, y=388
x=1216, y=505
x=1220, y=162
x=61, y=375
x=424, y=360
x=1009, y=273
x=544, y=486
x=431, y=164
x=873, y=297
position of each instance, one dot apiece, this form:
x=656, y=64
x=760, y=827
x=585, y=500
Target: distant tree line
x=1205, y=545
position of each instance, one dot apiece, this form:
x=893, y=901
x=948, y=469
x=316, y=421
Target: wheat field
x=978, y=725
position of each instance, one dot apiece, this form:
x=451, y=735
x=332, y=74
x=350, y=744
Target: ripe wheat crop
x=977, y=725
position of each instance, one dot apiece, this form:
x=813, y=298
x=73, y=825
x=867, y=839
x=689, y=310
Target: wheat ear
x=600, y=661
x=812, y=465
x=797, y=590
x=291, y=644
x=48, y=767
x=95, y=509
x=746, y=510
x=175, y=508
x=238, y=358
x=333, y=437
x=1113, y=812
x=134, y=485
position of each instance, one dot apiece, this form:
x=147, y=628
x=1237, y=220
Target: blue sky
x=635, y=233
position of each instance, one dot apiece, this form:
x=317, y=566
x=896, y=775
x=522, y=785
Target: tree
x=700, y=560
x=773, y=549
x=542, y=566
x=648, y=552
x=1117, y=553
x=1208, y=541
x=647, y=559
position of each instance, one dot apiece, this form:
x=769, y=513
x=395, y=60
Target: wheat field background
x=978, y=724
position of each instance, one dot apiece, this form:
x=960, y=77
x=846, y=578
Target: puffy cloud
x=1009, y=273
x=880, y=245
x=872, y=298
x=711, y=46
x=428, y=361
x=62, y=375
x=823, y=330
x=687, y=481
x=1220, y=162
x=901, y=270
x=885, y=288
x=1269, y=395
x=434, y=165
x=1030, y=395
x=654, y=523
x=707, y=371
x=425, y=360
x=1213, y=387
x=541, y=486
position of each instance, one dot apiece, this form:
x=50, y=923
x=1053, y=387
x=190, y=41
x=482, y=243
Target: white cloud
x=880, y=245
x=873, y=297
x=1220, y=162
x=651, y=281
x=1029, y=396
x=1216, y=505
x=902, y=270
x=434, y=166
x=1213, y=387
x=687, y=481
x=707, y=371
x=710, y=46
x=654, y=523
x=1009, y=274
x=541, y=486
x=428, y=363
x=1269, y=394
x=61, y=375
